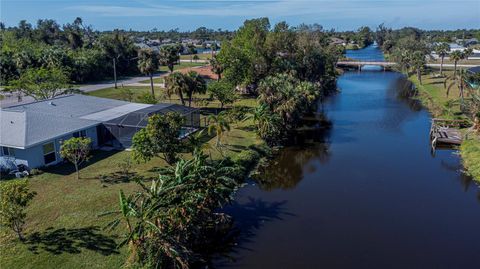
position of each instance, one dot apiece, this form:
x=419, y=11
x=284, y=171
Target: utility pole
x=115, y=72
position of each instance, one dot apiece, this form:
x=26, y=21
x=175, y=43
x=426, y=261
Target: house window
x=6, y=151
x=81, y=133
x=49, y=155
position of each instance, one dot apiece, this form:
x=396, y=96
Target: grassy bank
x=63, y=228
x=470, y=152
x=433, y=96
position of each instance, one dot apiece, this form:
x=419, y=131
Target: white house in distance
x=457, y=47
x=31, y=134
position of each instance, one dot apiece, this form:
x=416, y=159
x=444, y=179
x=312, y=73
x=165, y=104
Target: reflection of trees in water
x=467, y=182
x=308, y=143
x=405, y=92
x=464, y=179
x=399, y=91
x=287, y=168
x=249, y=217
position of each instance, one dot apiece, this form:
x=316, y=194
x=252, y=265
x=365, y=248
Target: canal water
x=365, y=193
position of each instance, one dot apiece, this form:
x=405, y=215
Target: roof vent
x=51, y=103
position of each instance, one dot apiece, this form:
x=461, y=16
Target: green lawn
x=121, y=93
x=434, y=97
x=199, y=100
x=63, y=228
x=64, y=214
x=201, y=56
x=181, y=66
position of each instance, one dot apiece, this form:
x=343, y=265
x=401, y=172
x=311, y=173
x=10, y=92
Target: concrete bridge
x=359, y=64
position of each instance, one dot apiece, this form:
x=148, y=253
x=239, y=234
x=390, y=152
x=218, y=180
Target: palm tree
x=460, y=79
x=196, y=141
x=442, y=50
x=116, y=46
x=148, y=64
x=214, y=48
x=418, y=63
x=191, y=51
x=268, y=124
x=456, y=56
x=217, y=67
x=169, y=56
x=148, y=213
x=176, y=83
x=219, y=124
x=403, y=58
x=168, y=218
x=196, y=84
x=473, y=105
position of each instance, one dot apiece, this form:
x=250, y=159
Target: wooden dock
x=445, y=132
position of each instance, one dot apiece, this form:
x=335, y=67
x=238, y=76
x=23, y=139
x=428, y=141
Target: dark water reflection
x=364, y=193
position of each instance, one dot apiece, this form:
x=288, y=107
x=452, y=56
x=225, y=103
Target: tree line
x=78, y=51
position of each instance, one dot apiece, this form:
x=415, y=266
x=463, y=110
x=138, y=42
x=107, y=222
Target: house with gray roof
x=31, y=134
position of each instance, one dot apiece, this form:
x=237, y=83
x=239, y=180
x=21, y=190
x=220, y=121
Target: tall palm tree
x=176, y=83
x=218, y=123
x=456, y=56
x=442, y=50
x=473, y=105
x=191, y=51
x=196, y=84
x=418, y=63
x=403, y=58
x=460, y=79
x=169, y=56
x=148, y=64
x=214, y=48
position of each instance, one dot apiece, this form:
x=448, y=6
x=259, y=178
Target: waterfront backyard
x=64, y=228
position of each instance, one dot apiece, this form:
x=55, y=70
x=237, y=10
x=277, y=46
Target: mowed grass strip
x=433, y=94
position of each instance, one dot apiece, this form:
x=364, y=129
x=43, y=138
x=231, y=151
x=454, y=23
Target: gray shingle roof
x=26, y=125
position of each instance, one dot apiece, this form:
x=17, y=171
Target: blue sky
x=229, y=14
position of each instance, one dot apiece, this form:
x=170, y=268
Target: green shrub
x=246, y=158
x=35, y=172
x=147, y=98
x=14, y=199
